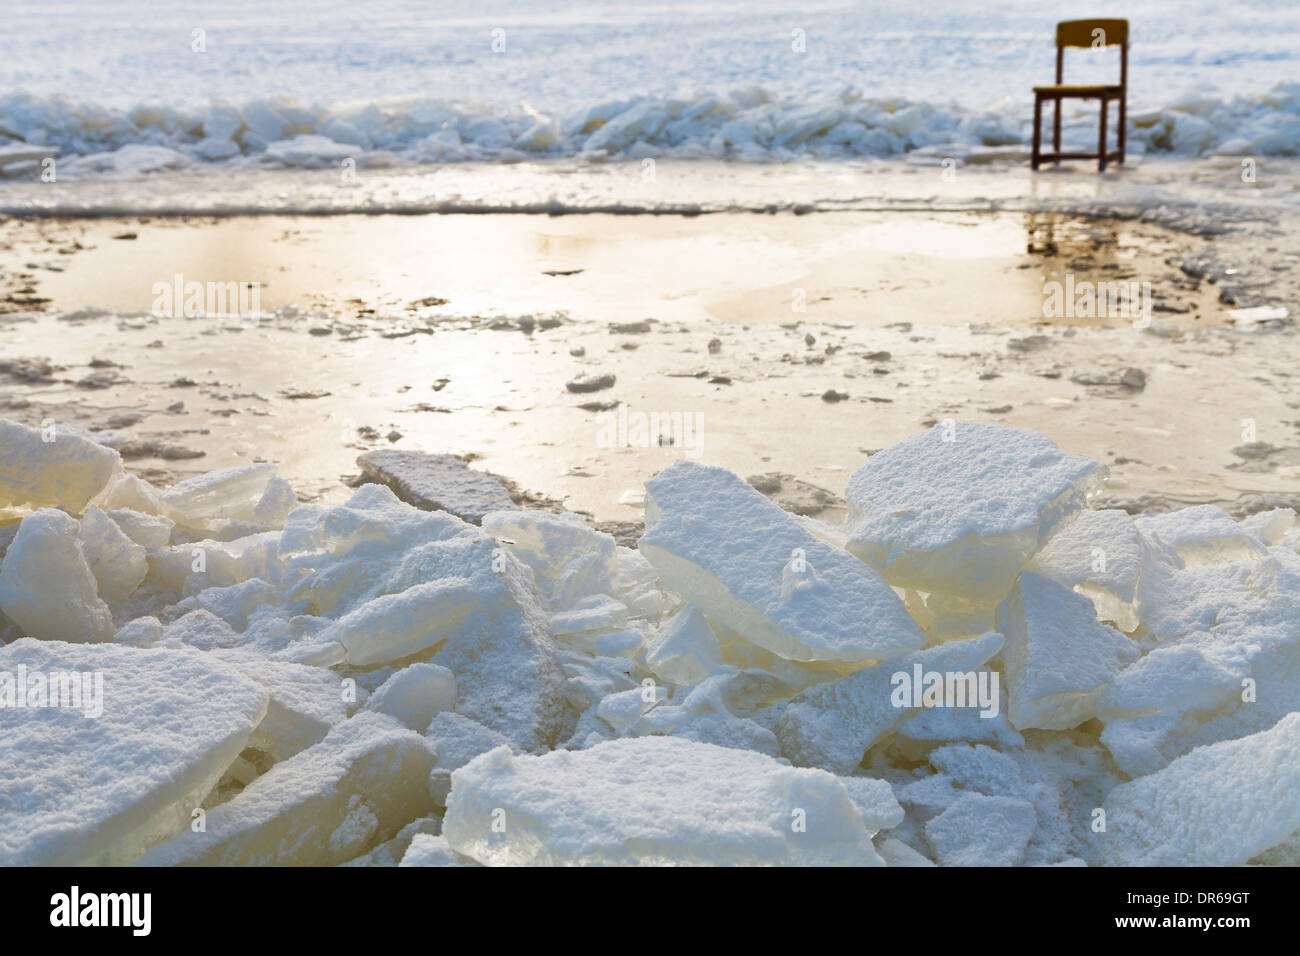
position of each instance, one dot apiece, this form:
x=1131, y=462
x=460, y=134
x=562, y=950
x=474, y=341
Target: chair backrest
x=1092, y=33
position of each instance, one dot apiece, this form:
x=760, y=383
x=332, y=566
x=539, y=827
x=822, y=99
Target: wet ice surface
x=398, y=685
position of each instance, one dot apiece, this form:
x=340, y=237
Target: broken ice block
x=685, y=650
x=227, y=494
x=832, y=725
x=334, y=801
x=550, y=544
x=304, y=703
x=47, y=587
x=400, y=582
x=978, y=830
x=52, y=467
x=960, y=508
x=415, y=695
x=1100, y=554
x=651, y=801
x=1219, y=805
x=1058, y=656
x=118, y=563
x=752, y=567
x=77, y=789
x=1201, y=536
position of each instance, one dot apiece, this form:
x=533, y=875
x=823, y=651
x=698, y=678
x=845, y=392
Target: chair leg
x=1038, y=131
x=1101, y=139
x=1123, y=126
x=1056, y=129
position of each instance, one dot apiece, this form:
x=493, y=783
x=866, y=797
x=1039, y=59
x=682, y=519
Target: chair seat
x=1098, y=90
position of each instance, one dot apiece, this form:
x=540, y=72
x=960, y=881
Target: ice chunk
x=47, y=587
x=978, y=830
x=352, y=791
x=960, y=508
x=875, y=800
x=415, y=695
x=191, y=568
x=78, y=789
x=52, y=467
x=1201, y=536
x=1270, y=526
x=652, y=801
x=128, y=491
x=118, y=563
x=150, y=531
x=430, y=584
x=832, y=725
x=429, y=850
x=275, y=504
x=1058, y=656
x=897, y=853
x=437, y=483
x=751, y=566
x=685, y=650
x=304, y=703
x=1100, y=554
x=1219, y=805
x=550, y=544
x=208, y=500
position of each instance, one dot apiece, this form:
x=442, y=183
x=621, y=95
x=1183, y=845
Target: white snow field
x=113, y=92
x=212, y=674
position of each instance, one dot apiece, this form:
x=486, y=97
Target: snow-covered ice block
x=685, y=650
x=118, y=563
x=1270, y=526
x=128, y=491
x=456, y=740
x=437, y=483
x=897, y=853
x=227, y=494
x=78, y=789
x=652, y=801
x=551, y=543
x=47, y=586
x=749, y=565
x=352, y=791
x=150, y=531
x=979, y=830
x=52, y=468
x=960, y=507
x=1219, y=805
x=429, y=850
x=434, y=586
x=832, y=725
x=1202, y=535
x=1100, y=554
x=199, y=565
x=1058, y=656
x=304, y=703
x=875, y=800
x=415, y=695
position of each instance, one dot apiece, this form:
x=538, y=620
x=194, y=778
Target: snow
x=960, y=508
x=752, y=567
x=78, y=790
x=358, y=786
x=52, y=468
x=652, y=801
x=1058, y=657
x=1219, y=805
x=373, y=684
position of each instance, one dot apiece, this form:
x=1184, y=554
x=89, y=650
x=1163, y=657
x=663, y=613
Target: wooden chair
x=1078, y=34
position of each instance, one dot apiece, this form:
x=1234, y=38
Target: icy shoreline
x=399, y=685
x=744, y=125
